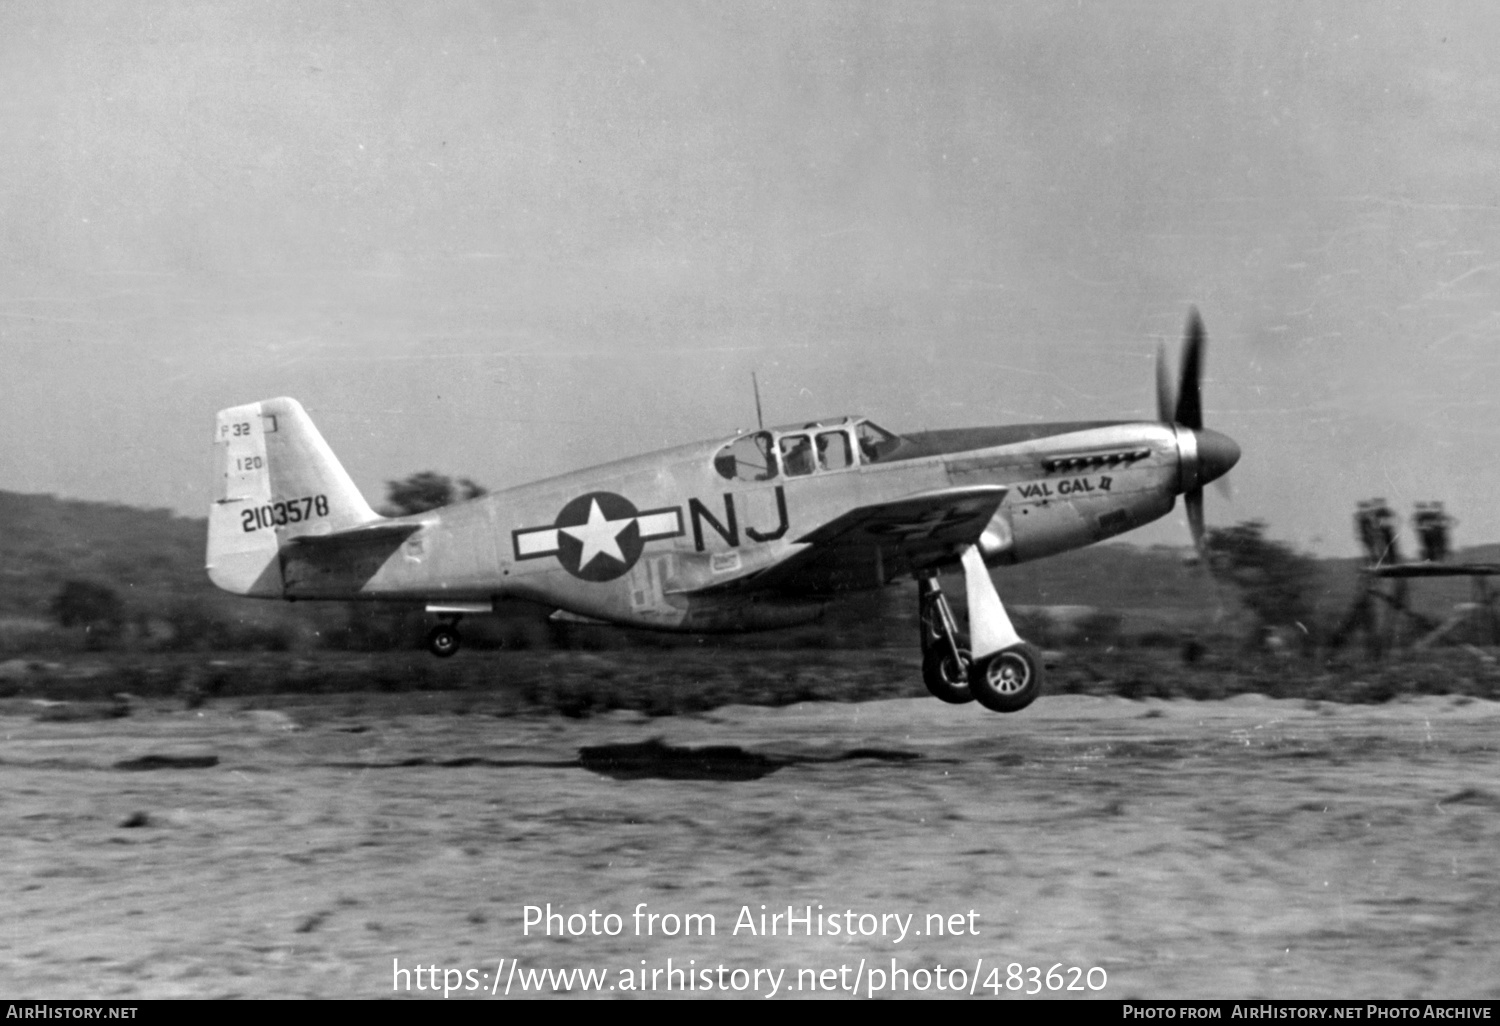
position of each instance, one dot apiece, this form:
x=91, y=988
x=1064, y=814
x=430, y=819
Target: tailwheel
x=1009, y=680
x=443, y=640
x=946, y=677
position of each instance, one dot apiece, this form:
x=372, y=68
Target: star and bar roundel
x=598, y=536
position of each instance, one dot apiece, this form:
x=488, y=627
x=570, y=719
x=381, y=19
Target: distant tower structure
x=1433, y=526
x=1381, y=610
x=1387, y=523
x=1365, y=532
x=1375, y=525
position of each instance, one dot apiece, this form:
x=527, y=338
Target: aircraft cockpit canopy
x=818, y=447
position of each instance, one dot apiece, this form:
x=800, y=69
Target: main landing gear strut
x=992, y=664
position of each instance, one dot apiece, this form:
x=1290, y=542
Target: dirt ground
x=1246, y=848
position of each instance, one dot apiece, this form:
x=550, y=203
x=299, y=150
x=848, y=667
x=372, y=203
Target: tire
x=443, y=641
x=947, y=683
x=1009, y=680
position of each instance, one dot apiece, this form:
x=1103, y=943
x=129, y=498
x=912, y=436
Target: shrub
x=1275, y=581
x=88, y=604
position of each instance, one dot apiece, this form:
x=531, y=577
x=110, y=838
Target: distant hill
x=46, y=541
x=151, y=559
x=1125, y=579
x=1118, y=577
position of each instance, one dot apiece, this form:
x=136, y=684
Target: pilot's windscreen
x=748, y=458
x=796, y=455
x=875, y=444
x=833, y=450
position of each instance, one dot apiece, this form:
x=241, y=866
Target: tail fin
x=278, y=480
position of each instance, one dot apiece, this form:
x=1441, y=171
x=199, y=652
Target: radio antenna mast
x=755, y=382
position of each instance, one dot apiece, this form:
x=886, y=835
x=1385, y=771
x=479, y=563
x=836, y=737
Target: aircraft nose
x=1216, y=455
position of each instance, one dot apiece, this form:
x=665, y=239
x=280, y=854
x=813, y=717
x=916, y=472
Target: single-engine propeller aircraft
x=752, y=532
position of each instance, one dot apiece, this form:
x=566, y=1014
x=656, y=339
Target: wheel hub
x=1008, y=677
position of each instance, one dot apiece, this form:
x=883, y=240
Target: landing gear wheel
x=1009, y=680
x=945, y=679
x=443, y=640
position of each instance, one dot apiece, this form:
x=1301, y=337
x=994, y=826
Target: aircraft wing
x=871, y=545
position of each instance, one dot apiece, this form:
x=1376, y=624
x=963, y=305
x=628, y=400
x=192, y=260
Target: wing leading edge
x=872, y=545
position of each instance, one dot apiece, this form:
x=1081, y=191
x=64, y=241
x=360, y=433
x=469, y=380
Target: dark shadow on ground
x=155, y=762
x=655, y=759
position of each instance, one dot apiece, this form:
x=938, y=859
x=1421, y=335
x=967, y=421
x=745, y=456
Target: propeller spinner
x=1204, y=455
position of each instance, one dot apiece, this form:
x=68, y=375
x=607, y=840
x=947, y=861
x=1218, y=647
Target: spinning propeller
x=1205, y=455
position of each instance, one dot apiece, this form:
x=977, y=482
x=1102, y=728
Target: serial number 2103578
x=279, y=514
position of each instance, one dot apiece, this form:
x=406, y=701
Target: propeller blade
x=1193, y=500
x=1189, y=397
x=1224, y=488
x=1216, y=453
x=1165, y=400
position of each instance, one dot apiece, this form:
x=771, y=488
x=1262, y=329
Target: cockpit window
x=796, y=455
x=748, y=458
x=874, y=443
x=818, y=447
x=833, y=450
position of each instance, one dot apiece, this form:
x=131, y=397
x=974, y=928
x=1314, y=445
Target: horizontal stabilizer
x=378, y=532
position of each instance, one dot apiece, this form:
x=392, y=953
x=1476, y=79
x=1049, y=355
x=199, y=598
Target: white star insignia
x=599, y=536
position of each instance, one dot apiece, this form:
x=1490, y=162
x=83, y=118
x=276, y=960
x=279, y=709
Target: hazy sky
x=505, y=240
